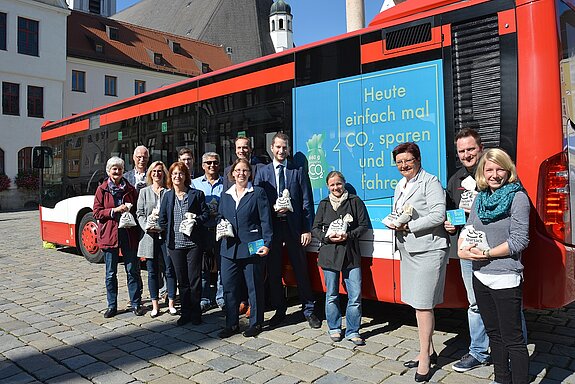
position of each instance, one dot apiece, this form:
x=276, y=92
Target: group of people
x=175, y=231
x=489, y=246
x=179, y=218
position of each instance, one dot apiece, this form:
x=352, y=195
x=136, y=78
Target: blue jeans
x=212, y=252
x=131, y=265
x=170, y=281
x=479, y=347
x=352, y=281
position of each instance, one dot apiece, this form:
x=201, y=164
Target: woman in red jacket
x=109, y=204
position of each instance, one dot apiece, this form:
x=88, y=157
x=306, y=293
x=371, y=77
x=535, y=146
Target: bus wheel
x=87, y=236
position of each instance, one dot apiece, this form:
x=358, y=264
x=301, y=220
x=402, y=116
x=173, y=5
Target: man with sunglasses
x=211, y=183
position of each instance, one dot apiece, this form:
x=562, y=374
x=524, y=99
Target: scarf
x=495, y=206
x=337, y=201
x=117, y=191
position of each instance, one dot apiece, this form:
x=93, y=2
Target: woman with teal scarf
x=500, y=214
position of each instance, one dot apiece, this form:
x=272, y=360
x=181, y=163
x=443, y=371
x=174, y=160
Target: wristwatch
x=486, y=253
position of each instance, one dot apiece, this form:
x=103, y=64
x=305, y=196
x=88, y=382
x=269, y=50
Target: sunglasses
x=211, y=162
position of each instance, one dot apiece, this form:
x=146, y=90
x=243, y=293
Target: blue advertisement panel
x=353, y=124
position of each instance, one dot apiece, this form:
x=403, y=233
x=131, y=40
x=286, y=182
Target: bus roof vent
x=405, y=37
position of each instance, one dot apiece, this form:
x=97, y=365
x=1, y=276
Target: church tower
x=281, y=26
x=104, y=8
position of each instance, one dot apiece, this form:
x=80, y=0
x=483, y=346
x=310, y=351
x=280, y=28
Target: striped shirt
x=181, y=240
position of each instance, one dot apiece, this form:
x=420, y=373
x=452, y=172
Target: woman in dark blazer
x=246, y=207
x=340, y=254
x=185, y=251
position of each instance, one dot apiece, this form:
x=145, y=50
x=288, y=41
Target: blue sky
x=313, y=20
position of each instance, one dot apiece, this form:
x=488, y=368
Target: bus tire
x=87, y=235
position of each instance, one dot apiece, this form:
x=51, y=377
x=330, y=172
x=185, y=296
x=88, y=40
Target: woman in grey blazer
x=152, y=246
x=422, y=243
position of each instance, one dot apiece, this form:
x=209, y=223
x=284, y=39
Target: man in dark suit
x=291, y=229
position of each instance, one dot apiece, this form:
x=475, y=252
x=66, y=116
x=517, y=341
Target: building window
x=139, y=87
x=2, y=31
x=281, y=24
x=78, y=81
x=10, y=99
x=110, y=86
x=94, y=6
x=2, y=171
x=273, y=25
x=99, y=47
x=158, y=58
x=27, y=36
x=176, y=47
x=35, y=101
x=25, y=159
x=113, y=33
x=289, y=25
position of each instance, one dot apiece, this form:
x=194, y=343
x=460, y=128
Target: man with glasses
x=137, y=176
x=211, y=183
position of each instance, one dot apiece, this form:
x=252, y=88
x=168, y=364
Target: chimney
x=355, y=14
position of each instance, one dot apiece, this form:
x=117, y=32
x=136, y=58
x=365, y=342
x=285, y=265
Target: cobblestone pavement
x=52, y=330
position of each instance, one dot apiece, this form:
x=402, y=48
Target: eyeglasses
x=407, y=161
x=141, y=157
x=212, y=162
x=157, y=171
x=242, y=171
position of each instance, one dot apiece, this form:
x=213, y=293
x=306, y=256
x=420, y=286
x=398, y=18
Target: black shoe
x=421, y=378
x=196, y=321
x=110, y=312
x=277, y=319
x=253, y=331
x=357, y=341
x=415, y=363
x=183, y=321
x=228, y=332
x=139, y=311
x=313, y=321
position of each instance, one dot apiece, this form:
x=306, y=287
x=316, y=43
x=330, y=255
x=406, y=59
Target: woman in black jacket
x=184, y=249
x=340, y=253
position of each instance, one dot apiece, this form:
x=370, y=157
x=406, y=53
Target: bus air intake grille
x=477, y=77
x=408, y=36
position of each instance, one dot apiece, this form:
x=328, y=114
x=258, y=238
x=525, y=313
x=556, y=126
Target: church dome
x=280, y=6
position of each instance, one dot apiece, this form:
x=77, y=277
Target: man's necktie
x=282, y=179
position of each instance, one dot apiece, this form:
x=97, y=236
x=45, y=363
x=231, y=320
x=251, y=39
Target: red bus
x=420, y=72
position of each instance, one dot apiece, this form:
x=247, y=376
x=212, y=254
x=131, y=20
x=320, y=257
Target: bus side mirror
x=42, y=157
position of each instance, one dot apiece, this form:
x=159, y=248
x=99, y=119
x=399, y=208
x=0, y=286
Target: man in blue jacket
x=292, y=229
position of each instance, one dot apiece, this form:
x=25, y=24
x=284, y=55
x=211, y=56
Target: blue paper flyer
x=456, y=217
x=253, y=246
